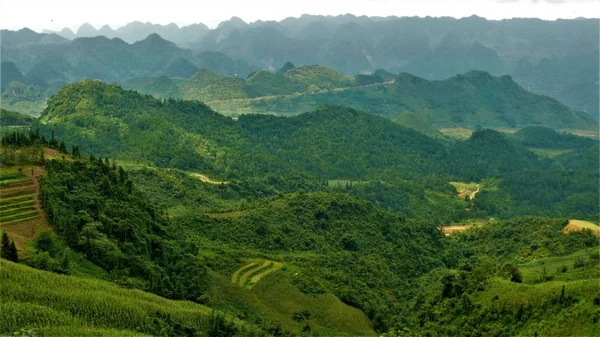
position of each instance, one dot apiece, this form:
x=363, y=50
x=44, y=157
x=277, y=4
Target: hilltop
x=530, y=50
x=468, y=100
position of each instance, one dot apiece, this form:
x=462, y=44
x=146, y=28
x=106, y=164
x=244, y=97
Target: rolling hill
x=468, y=100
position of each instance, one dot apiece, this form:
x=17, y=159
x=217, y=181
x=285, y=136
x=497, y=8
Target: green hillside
x=37, y=302
x=209, y=86
x=414, y=121
x=11, y=118
x=468, y=100
x=322, y=258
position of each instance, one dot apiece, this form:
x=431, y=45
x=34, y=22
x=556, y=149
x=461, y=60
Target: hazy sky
x=56, y=14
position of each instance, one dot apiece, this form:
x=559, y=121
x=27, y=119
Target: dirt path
x=472, y=196
x=251, y=99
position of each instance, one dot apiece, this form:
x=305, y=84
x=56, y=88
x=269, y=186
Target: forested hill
x=531, y=50
x=331, y=142
x=467, y=100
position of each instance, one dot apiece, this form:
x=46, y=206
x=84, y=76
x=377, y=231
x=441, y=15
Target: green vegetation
x=208, y=86
x=325, y=223
x=58, y=305
x=8, y=250
x=13, y=119
x=106, y=232
x=474, y=99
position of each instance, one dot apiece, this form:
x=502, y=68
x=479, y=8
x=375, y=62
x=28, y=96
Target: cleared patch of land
x=459, y=133
x=466, y=189
x=578, y=225
x=21, y=214
x=206, y=179
x=550, y=153
x=236, y=275
x=250, y=274
x=449, y=230
x=595, y=134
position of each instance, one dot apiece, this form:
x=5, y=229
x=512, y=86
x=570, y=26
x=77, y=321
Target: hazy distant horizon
x=71, y=14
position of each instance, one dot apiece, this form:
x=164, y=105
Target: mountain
x=207, y=85
x=94, y=57
x=87, y=30
x=10, y=73
x=554, y=58
x=332, y=142
x=331, y=222
x=11, y=118
x=472, y=99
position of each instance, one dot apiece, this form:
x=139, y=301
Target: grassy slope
x=576, y=319
x=275, y=299
x=72, y=306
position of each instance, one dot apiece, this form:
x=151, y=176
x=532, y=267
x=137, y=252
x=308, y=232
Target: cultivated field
x=59, y=305
x=21, y=215
x=251, y=273
x=577, y=225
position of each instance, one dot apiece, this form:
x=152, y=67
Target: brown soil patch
x=574, y=226
x=449, y=230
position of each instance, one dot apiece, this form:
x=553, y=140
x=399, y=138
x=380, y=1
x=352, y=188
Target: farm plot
x=251, y=273
x=578, y=225
x=21, y=215
x=17, y=199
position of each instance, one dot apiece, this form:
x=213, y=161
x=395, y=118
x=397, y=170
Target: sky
x=57, y=14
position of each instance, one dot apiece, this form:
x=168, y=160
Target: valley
x=314, y=176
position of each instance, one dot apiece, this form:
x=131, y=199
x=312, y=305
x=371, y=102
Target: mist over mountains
x=554, y=58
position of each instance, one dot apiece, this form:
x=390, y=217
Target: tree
x=8, y=250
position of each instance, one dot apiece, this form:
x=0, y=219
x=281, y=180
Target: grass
x=71, y=306
x=11, y=200
x=583, y=133
x=579, y=265
x=550, y=153
x=573, y=320
x=460, y=186
x=16, y=209
x=245, y=277
x=327, y=311
x=577, y=225
x=18, y=217
x=18, y=203
x=9, y=181
x=458, y=133
x=275, y=299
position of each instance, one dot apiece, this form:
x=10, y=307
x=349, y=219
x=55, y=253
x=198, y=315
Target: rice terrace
x=251, y=273
x=20, y=211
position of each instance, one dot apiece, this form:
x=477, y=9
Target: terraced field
x=251, y=273
x=17, y=198
x=20, y=212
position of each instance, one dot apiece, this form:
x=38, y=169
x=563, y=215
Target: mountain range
x=556, y=58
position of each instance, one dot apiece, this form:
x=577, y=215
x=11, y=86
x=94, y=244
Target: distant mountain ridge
x=556, y=58
x=471, y=100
